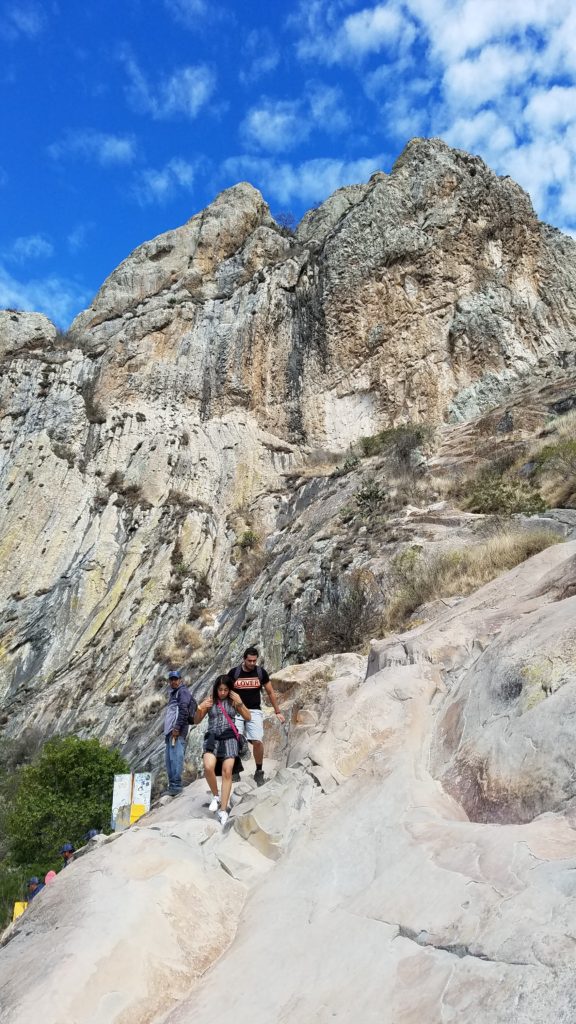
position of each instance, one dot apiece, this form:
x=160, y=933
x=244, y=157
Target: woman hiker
x=221, y=740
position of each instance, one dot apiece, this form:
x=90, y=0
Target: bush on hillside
x=560, y=457
x=249, y=540
x=351, y=618
x=370, y=500
x=398, y=442
x=350, y=462
x=495, y=495
x=64, y=792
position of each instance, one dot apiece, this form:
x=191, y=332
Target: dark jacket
x=181, y=697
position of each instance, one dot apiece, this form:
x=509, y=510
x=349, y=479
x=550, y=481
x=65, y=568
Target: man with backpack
x=179, y=711
x=249, y=679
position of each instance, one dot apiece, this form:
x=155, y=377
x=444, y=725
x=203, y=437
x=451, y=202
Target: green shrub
x=350, y=463
x=560, y=457
x=371, y=499
x=494, y=495
x=48, y=796
x=64, y=792
x=399, y=443
x=248, y=540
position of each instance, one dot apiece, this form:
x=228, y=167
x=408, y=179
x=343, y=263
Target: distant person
x=223, y=708
x=67, y=851
x=34, y=886
x=176, y=720
x=249, y=679
x=91, y=834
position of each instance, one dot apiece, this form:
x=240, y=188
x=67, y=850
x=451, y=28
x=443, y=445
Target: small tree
x=286, y=220
x=63, y=793
x=352, y=617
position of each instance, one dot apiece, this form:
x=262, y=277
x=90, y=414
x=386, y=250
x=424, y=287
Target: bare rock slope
x=362, y=881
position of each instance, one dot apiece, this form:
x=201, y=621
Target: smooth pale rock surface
x=122, y=933
x=385, y=900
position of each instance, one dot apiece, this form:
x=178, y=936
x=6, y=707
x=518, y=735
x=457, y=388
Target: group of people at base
x=34, y=885
x=234, y=711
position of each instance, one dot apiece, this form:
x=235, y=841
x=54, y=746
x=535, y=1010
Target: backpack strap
x=236, y=672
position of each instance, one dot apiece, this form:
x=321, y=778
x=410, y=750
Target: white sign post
x=130, y=799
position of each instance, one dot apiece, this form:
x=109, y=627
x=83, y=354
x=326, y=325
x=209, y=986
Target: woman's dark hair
x=221, y=679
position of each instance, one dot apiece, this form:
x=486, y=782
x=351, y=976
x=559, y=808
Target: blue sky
x=122, y=118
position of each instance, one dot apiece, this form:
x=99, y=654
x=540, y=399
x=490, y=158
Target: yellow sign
x=136, y=811
x=19, y=909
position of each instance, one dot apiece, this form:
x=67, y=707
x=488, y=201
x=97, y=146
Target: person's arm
x=203, y=710
x=183, y=705
x=274, y=701
x=239, y=707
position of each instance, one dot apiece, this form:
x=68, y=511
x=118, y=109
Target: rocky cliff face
x=140, y=450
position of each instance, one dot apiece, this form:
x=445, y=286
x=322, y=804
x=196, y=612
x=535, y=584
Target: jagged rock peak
x=184, y=257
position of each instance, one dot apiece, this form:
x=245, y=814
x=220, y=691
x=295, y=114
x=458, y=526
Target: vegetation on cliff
x=49, y=795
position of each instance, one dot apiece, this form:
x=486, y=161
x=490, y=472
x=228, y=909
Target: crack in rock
x=458, y=949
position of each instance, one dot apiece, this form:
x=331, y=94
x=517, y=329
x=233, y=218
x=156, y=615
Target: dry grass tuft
x=417, y=578
x=188, y=636
x=175, y=651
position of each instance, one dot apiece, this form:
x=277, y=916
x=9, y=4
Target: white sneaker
x=222, y=817
x=214, y=804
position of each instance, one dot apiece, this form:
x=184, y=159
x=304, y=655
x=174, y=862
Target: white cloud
x=22, y=19
x=548, y=110
x=373, y=29
x=494, y=76
x=476, y=80
x=308, y=182
x=58, y=298
x=159, y=185
x=77, y=238
x=482, y=130
x=278, y=125
x=29, y=247
x=96, y=147
x=260, y=56
x=181, y=94
x=275, y=125
x=327, y=109
x=190, y=13
x=456, y=27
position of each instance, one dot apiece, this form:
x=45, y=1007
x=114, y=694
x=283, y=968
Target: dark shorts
x=222, y=749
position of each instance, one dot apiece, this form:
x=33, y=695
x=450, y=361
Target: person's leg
x=169, y=763
x=258, y=751
x=174, y=763
x=177, y=757
x=254, y=732
x=209, y=773
x=227, y=767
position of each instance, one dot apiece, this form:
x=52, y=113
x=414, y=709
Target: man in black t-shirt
x=249, y=679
